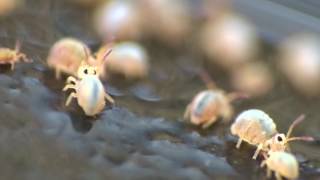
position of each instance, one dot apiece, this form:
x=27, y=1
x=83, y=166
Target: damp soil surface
x=142, y=135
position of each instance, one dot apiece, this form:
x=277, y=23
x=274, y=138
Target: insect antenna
x=205, y=77
x=86, y=52
x=22, y=55
x=301, y=138
x=292, y=126
x=106, y=55
x=237, y=95
x=18, y=46
x=297, y=121
x=108, y=44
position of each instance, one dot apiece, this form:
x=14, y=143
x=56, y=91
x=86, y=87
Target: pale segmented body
x=207, y=106
x=128, y=59
x=254, y=126
x=66, y=56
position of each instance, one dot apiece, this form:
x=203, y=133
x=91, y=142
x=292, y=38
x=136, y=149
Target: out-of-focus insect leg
x=72, y=95
x=109, y=98
x=69, y=86
x=58, y=74
x=71, y=79
x=278, y=176
x=186, y=114
x=269, y=173
x=210, y=122
x=12, y=65
x=256, y=153
x=239, y=143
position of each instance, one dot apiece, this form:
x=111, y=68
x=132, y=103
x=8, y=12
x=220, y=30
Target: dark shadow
x=80, y=122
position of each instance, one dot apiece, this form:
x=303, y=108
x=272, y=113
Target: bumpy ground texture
x=142, y=136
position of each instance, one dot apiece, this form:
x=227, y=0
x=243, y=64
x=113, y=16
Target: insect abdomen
x=90, y=95
x=254, y=126
x=250, y=130
x=202, y=103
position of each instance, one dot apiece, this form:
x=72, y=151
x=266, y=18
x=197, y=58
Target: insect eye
x=279, y=138
x=94, y=72
x=86, y=71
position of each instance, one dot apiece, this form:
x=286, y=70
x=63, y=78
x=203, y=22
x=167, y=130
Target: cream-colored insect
x=128, y=59
x=9, y=56
x=119, y=19
x=283, y=164
x=89, y=90
x=253, y=78
x=257, y=128
x=66, y=56
x=299, y=61
x=8, y=6
x=173, y=20
x=208, y=105
x=229, y=40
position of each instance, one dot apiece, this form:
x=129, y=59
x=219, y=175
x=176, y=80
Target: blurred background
x=268, y=49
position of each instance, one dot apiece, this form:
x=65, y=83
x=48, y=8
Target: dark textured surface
x=141, y=137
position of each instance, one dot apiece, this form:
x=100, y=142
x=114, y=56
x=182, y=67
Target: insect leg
x=269, y=173
x=239, y=143
x=278, y=176
x=69, y=86
x=17, y=46
x=12, y=65
x=109, y=98
x=294, y=124
x=209, y=123
x=58, y=73
x=257, y=151
x=71, y=79
x=72, y=95
x=186, y=114
x=25, y=59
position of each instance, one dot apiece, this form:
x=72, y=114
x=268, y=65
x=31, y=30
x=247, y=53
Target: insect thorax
x=283, y=163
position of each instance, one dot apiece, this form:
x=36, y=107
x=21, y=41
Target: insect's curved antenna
x=301, y=138
x=237, y=95
x=297, y=121
x=87, y=54
x=109, y=43
x=106, y=55
x=18, y=45
x=207, y=79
